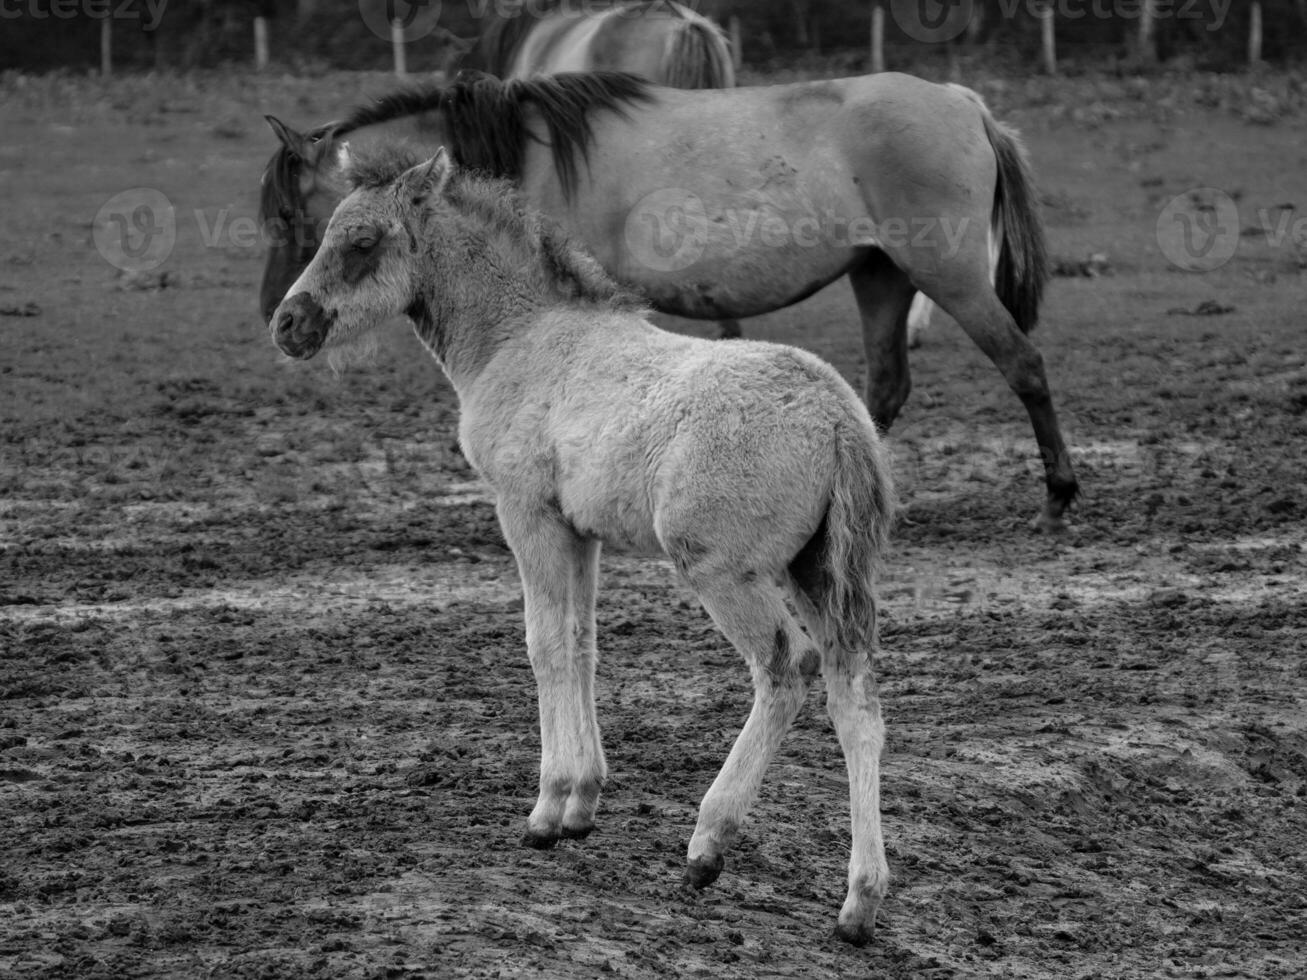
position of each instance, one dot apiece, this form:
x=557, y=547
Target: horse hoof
x=702, y=872
x=577, y=833
x=856, y=934
x=539, y=841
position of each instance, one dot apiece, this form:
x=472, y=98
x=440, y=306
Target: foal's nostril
x=285, y=323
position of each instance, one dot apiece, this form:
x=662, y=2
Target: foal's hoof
x=856, y=934
x=538, y=840
x=577, y=833
x=702, y=872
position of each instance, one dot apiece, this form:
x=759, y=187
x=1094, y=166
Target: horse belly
x=738, y=238
x=603, y=495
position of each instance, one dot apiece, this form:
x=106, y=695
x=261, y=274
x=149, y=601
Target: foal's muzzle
x=300, y=325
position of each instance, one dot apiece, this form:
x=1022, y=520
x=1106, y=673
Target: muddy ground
x=265, y=709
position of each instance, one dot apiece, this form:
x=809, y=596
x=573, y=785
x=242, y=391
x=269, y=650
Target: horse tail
x=1022, y=268
x=857, y=526
x=697, y=54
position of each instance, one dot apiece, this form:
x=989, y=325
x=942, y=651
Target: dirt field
x=265, y=709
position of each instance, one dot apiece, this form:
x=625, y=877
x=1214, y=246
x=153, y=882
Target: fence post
x=106, y=47
x=1255, y=33
x=1047, y=40
x=260, y=43
x=397, y=47
x=877, y=36
x=1147, y=42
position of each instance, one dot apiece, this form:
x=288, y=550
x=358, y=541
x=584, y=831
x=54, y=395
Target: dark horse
x=729, y=203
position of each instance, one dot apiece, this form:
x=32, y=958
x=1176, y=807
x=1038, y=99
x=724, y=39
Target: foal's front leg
x=558, y=570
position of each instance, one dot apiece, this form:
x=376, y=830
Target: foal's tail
x=1023, y=255
x=697, y=53
x=858, y=522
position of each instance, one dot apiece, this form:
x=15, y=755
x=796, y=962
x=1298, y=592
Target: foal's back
x=646, y=438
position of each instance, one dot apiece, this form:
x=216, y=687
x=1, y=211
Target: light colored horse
x=753, y=466
x=662, y=41
x=726, y=203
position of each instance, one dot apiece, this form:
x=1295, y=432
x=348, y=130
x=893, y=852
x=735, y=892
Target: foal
x=753, y=466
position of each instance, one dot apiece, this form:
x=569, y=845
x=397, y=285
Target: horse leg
x=853, y=703
x=782, y=661
x=729, y=330
x=987, y=322
x=884, y=296
x=578, y=816
x=558, y=569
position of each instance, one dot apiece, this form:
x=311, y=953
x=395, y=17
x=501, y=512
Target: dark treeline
x=41, y=35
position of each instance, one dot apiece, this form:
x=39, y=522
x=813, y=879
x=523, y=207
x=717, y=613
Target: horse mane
x=280, y=185
x=485, y=118
x=564, y=266
x=485, y=123
x=412, y=100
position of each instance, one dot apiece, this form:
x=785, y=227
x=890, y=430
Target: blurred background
x=1005, y=35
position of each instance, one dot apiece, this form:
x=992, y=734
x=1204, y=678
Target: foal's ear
x=427, y=179
x=290, y=139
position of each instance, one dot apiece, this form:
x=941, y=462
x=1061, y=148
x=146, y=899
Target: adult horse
x=753, y=466
x=665, y=42
x=729, y=203
x=662, y=41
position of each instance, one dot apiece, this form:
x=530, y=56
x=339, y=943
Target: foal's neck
x=491, y=271
x=466, y=321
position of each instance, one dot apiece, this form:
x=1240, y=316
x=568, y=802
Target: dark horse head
x=481, y=119
x=294, y=205
x=302, y=183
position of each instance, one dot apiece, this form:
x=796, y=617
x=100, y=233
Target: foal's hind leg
x=853, y=703
x=558, y=570
x=751, y=612
x=884, y=295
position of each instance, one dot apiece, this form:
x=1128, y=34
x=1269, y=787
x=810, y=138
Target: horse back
x=629, y=430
